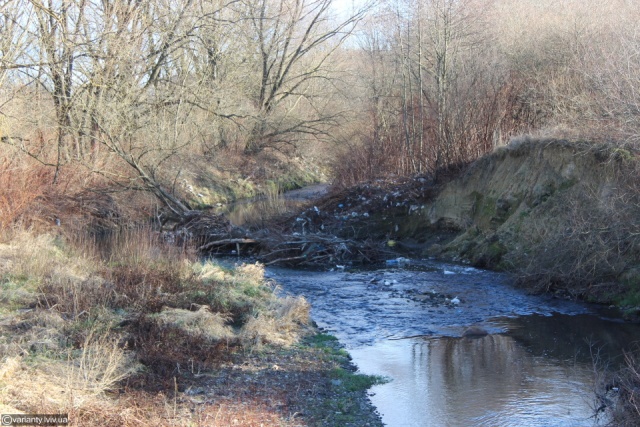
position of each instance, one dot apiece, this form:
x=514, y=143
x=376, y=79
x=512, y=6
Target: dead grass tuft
x=201, y=323
x=72, y=384
x=101, y=364
x=280, y=325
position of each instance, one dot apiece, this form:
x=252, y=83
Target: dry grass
x=274, y=320
x=279, y=325
x=83, y=324
x=201, y=323
x=101, y=365
x=599, y=232
x=66, y=385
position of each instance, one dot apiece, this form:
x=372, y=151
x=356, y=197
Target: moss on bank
x=346, y=403
x=206, y=184
x=561, y=215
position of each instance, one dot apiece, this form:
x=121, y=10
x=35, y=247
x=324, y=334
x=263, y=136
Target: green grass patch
x=353, y=381
x=15, y=293
x=342, y=404
x=321, y=339
x=631, y=298
x=631, y=282
x=329, y=344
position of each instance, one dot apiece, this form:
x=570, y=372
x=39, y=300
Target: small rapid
x=535, y=366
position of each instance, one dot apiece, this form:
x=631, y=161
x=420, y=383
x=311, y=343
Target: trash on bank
x=398, y=262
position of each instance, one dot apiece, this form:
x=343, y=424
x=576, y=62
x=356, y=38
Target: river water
x=534, y=368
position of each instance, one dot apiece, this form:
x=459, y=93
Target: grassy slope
x=145, y=337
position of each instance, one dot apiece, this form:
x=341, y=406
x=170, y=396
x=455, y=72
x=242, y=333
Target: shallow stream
x=534, y=368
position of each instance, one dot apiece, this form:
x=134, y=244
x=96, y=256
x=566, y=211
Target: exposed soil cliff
x=564, y=215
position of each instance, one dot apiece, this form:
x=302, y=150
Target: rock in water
x=475, y=332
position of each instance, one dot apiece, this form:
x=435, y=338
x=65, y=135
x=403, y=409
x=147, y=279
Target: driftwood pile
x=338, y=230
x=310, y=247
x=317, y=250
x=209, y=233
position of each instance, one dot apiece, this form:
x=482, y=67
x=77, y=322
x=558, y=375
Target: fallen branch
x=279, y=260
x=223, y=242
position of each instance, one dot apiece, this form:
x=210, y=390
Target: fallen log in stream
x=215, y=235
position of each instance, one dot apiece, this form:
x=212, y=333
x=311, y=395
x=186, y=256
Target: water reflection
x=582, y=338
x=489, y=381
x=534, y=369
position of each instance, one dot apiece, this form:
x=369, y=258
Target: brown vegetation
x=145, y=319
x=442, y=82
x=599, y=241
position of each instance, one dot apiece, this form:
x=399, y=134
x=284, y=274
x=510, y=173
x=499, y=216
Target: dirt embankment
x=563, y=215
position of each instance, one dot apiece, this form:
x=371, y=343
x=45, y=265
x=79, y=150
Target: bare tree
x=611, y=68
x=442, y=86
x=294, y=40
x=58, y=25
x=12, y=43
x=119, y=75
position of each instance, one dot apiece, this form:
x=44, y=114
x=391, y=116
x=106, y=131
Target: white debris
x=403, y=262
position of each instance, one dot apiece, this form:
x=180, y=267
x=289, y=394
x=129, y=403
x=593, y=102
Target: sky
x=344, y=7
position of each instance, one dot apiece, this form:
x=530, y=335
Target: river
x=534, y=368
